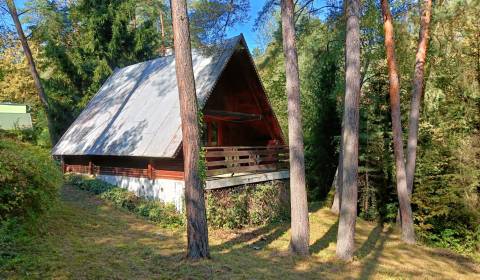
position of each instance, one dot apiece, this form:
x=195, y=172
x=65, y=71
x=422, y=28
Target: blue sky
x=246, y=29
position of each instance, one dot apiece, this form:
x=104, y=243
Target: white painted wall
x=166, y=190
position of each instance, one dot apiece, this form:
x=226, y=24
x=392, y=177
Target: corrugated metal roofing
x=136, y=111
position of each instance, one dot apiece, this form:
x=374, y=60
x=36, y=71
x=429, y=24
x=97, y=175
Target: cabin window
x=210, y=134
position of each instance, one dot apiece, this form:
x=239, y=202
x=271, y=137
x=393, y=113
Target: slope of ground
x=85, y=238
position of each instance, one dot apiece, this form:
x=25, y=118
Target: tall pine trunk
x=299, y=209
x=408, y=234
x=348, y=207
x=33, y=69
x=197, y=231
x=417, y=92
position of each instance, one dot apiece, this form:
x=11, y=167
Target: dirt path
x=85, y=238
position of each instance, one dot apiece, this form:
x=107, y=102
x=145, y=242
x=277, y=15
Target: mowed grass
x=85, y=238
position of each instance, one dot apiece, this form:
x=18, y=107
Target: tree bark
x=335, y=208
x=197, y=230
x=337, y=181
x=408, y=234
x=299, y=209
x=348, y=208
x=162, y=30
x=417, y=92
x=33, y=69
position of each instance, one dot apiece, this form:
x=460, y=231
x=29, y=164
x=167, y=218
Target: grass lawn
x=85, y=238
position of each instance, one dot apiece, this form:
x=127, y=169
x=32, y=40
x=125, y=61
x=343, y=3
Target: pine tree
x=197, y=230
x=300, y=226
x=417, y=92
x=408, y=234
x=348, y=207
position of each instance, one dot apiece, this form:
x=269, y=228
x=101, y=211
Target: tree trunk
x=408, y=234
x=197, y=231
x=33, y=69
x=348, y=212
x=335, y=208
x=417, y=93
x=162, y=29
x=337, y=181
x=300, y=227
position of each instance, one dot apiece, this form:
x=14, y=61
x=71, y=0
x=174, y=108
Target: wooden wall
x=240, y=90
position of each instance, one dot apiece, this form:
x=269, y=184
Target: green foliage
x=447, y=185
x=121, y=198
x=247, y=206
x=165, y=214
x=89, y=184
x=83, y=42
x=29, y=179
x=320, y=61
x=209, y=20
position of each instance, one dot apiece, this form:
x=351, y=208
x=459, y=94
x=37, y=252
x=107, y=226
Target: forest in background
x=77, y=46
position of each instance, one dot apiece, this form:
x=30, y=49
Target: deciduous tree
x=31, y=62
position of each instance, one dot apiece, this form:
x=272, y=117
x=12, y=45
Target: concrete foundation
x=166, y=190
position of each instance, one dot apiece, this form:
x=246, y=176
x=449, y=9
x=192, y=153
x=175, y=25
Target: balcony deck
x=226, y=167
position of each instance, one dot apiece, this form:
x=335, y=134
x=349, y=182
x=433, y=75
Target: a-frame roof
x=136, y=111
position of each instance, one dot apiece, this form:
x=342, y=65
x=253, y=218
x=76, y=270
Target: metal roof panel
x=136, y=111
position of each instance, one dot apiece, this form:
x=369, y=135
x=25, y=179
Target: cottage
x=130, y=132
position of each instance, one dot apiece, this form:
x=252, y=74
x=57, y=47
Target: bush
x=251, y=205
x=29, y=179
x=156, y=211
x=121, y=198
x=164, y=214
x=87, y=183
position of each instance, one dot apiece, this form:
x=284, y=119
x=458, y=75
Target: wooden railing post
x=150, y=171
x=90, y=168
x=64, y=166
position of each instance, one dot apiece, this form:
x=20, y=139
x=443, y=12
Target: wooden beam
x=231, y=116
x=240, y=169
x=216, y=183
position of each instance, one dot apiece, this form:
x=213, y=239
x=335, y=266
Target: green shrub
x=29, y=179
x=88, y=183
x=121, y=198
x=165, y=214
x=247, y=206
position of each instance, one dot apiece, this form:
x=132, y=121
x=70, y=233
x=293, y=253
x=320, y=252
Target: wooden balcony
x=232, y=160
x=226, y=166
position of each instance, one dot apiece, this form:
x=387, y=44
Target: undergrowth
x=29, y=186
x=251, y=205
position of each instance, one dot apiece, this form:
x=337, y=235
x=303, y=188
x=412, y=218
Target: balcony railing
x=219, y=160
x=238, y=159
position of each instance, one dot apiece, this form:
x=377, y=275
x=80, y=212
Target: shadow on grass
x=265, y=235
x=370, y=245
x=323, y=243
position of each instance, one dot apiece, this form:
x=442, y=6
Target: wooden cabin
x=130, y=132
